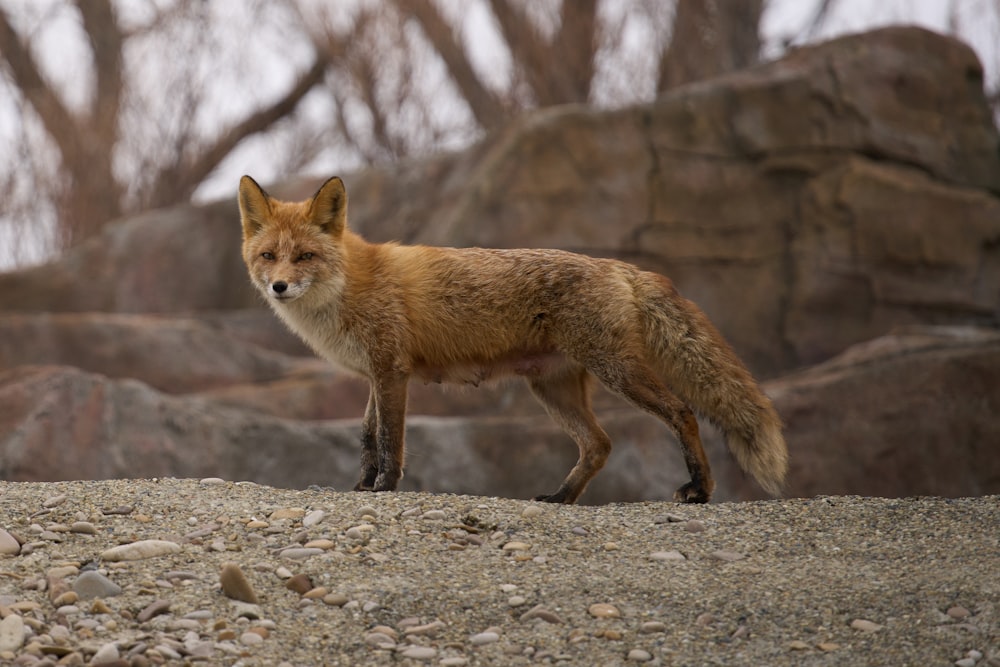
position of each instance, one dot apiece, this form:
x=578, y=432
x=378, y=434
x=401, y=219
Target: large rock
x=806, y=204
x=914, y=413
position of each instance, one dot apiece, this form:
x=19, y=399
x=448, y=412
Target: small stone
x=100, y=607
x=705, y=619
x=428, y=629
x=539, y=611
x=313, y=518
x=299, y=553
x=650, y=627
x=140, y=550
x=958, y=613
x=694, y=526
x=9, y=546
x=299, y=583
x=154, y=608
x=667, y=555
x=256, y=524
x=827, y=646
x=434, y=515
x=11, y=633
x=380, y=640
x=604, y=610
x=865, y=625
x=638, y=655
x=580, y=531
x=251, y=639
x=454, y=661
x=211, y=481
x=611, y=546
x=246, y=610
x=965, y=662
x=516, y=601
x=419, y=652
x=66, y=598
x=669, y=518
x=367, y=510
x=83, y=528
x=235, y=584
x=727, y=556
x=484, y=638
x=798, y=645
x=317, y=593
x=287, y=513
x=531, y=511
x=335, y=599
x=54, y=501
x=108, y=653
x=516, y=546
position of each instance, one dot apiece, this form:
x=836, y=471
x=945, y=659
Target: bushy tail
x=702, y=369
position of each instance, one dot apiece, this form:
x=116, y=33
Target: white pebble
x=638, y=655
x=11, y=633
x=667, y=555
x=434, y=515
x=419, y=652
x=484, y=638
x=140, y=550
x=313, y=518
x=107, y=653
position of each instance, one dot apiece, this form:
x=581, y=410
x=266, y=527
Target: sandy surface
x=452, y=580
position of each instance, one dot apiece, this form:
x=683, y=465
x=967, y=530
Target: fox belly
x=526, y=364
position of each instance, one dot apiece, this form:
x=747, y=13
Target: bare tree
x=86, y=188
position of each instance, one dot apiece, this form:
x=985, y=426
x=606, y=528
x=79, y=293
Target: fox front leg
x=369, y=452
x=389, y=393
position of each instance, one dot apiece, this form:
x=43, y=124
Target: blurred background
x=821, y=176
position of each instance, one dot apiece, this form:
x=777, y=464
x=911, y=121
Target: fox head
x=292, y=249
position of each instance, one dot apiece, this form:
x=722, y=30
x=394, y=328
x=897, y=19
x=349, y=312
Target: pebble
x=54, y=501
x=516, y=601
x=727, y=556
x=313, y=518
x=108, y=653
x=212, y=481
x=482, y=638
x=380, y=640
x=287, y=513
x=865, y=625
x=251, y=639
x=140, y=550
x=958, y=613
x=650, y=627
x=965, y=662
x=694, y=526
x=539, y=611
x=419, y=652
x=798, y=645
x=454, y=661
x=11, y=633
x=604, y=610
x=638, y=655
x=83, y=527
x=236, y=585
x=667, y=555
x=300, y=553
x=434, y=515
x=516, y=546
x=154, y=608
x=299, y=583
x=9, y=546
x=531, y=511
x=335, y=599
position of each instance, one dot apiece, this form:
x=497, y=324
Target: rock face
x=808, y=205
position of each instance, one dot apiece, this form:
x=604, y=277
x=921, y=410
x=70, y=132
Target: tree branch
x=180, y=180
x=106, y=42
x=485, y=105
x=56, y=118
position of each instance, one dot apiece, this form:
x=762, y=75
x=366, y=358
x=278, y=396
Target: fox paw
x=691, y=493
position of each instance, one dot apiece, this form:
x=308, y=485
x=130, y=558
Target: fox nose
x=279, y=287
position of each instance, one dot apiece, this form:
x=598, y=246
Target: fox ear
x=255, y=206
x=328, y=208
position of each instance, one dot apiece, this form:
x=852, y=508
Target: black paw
x=691, y=493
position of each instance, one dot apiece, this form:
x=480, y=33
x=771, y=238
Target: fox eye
x=306, y=255
x=267, y=255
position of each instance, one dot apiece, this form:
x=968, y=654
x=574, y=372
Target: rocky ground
x=238, y=573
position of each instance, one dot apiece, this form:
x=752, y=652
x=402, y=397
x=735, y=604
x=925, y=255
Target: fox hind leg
x=566, y=397
x=382, y=433
x=637, y=384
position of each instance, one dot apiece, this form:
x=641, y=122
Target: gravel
x=422, y=579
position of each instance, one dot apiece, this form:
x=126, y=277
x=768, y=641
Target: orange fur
x=390, y=312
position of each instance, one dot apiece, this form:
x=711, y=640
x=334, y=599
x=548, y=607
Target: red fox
x=390, y=312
